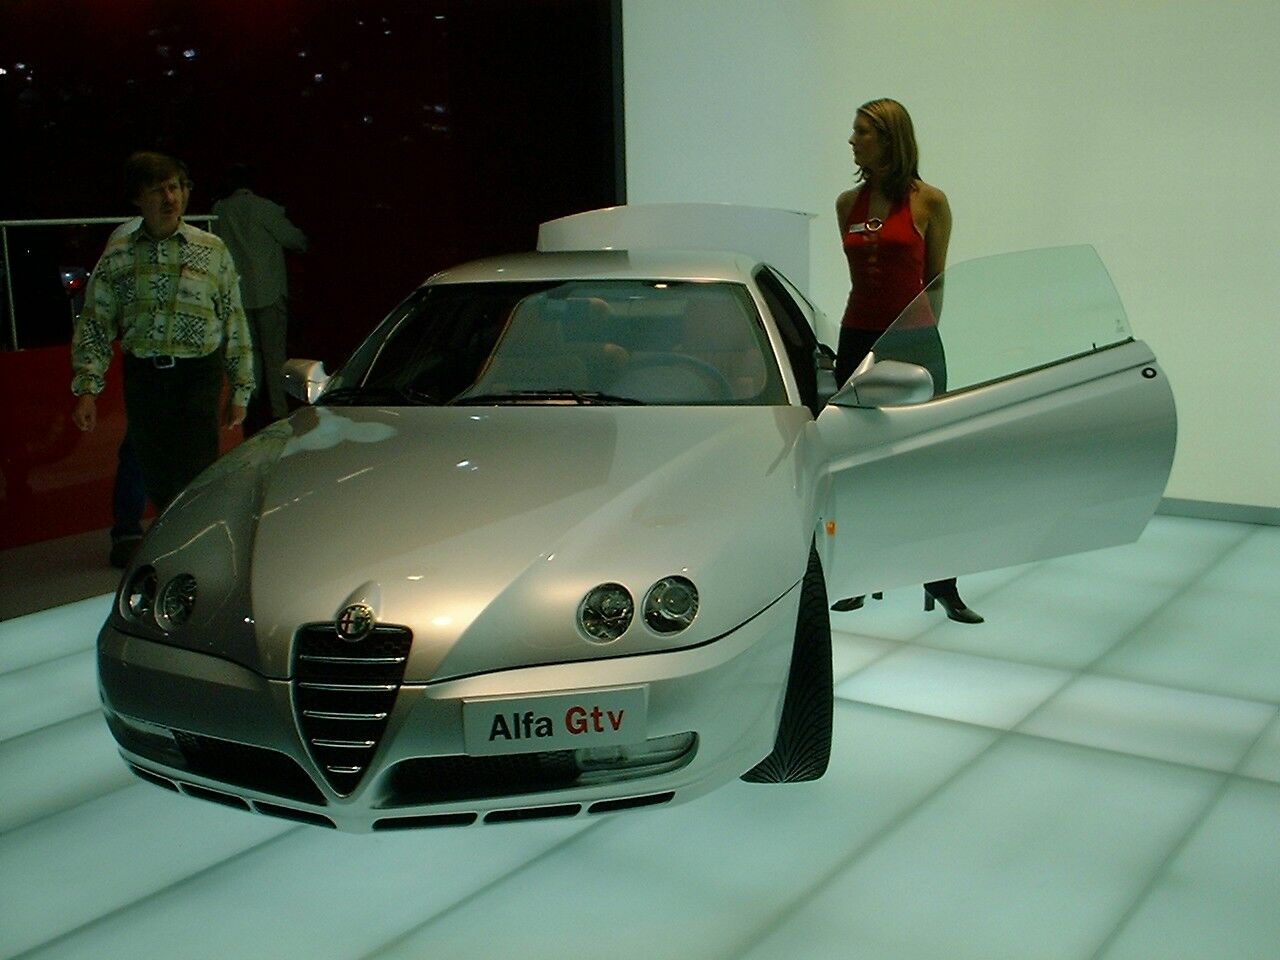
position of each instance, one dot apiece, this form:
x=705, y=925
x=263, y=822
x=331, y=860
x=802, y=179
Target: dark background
x=402, y=137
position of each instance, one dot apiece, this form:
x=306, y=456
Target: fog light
x=634, y=759
x=138, y=598
x=177, y=600
x=671, y=605
x=606, y=612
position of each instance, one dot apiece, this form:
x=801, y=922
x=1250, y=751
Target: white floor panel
x=1220, y=897
x=57, y=768
x=851, y=652
x=50, y=634
x=63, y=872
x=315, y=894
x=1131, y=812
x=1250, y=568
x=1263, y=761
x=705, y=879
x=1218, y=635
x=1197, y=729
x=955, y=686
x=1172, y=552
x=48, y=693
x=1033, y=852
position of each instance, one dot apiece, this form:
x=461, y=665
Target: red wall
x=57, y=480
x=54, y=478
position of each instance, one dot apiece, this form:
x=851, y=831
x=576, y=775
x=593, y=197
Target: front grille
x=343, y=693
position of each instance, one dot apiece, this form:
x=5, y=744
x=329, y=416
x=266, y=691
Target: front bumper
x=211, y=728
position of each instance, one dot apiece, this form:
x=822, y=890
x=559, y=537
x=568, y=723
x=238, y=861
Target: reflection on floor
x=1093, y=773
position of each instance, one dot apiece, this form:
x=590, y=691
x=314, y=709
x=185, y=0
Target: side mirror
x=887, y=383
x=305, y=379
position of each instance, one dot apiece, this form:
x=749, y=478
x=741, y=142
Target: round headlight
x=671, y=605
x=139, y=596
x=177, y=600
x=606, y=612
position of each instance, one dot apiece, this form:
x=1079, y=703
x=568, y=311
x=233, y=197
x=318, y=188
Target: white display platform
x=1092, y=774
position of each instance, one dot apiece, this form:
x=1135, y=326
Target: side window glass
x=807, y=309
x=996, y=317
x=796, y=335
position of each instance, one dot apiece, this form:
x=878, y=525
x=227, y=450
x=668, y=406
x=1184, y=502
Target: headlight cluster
x=671, y=605
x=139, y=596
x=142, y=599
x=607, y=610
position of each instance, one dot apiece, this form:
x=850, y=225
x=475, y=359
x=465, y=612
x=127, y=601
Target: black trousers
x=923, y=347
x=173, y=420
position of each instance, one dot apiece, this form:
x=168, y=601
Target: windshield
x=992, y=318
x=599, y=341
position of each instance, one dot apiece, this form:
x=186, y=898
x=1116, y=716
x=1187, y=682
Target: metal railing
x=63, y=222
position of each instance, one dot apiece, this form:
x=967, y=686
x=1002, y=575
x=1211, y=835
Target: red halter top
x=886, y=266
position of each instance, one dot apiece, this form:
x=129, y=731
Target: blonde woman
x=895, y=229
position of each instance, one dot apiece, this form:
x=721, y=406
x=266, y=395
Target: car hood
x=481, y=528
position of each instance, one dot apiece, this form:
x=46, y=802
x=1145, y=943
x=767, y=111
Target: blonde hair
x=893, y=124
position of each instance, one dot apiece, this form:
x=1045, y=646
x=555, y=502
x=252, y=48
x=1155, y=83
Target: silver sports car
x=559, y=538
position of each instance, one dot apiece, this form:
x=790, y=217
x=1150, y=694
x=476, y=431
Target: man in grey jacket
x=258, y=233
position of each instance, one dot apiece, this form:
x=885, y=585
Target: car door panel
x=1070, y=457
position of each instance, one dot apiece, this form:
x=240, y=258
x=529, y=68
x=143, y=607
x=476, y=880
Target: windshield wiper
x=586, y=397
x=375, y=396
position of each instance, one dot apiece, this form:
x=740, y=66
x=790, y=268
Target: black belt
x=166, y=362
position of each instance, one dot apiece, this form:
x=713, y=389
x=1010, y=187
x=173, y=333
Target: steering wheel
x=719, y=387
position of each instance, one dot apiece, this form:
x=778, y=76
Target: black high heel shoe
x=854, y=603
x=951, y=602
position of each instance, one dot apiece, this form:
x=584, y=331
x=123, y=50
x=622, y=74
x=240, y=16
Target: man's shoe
x=122, y=551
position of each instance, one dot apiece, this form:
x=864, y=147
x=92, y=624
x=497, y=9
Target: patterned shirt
x=177, y=297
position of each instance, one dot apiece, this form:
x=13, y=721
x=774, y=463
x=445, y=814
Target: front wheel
x=803, y=745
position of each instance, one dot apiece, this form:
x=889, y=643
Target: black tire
x=803, y=746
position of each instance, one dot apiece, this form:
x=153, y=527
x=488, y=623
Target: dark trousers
x=128, y=495
x=923, y=347
x=173, y=420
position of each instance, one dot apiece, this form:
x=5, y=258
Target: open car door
x=1012, y=420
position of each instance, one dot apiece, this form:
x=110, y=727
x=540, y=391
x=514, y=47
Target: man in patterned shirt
x=170, y=293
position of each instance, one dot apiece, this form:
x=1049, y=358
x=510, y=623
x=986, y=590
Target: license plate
x=593, y=718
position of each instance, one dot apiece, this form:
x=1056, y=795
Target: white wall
x=1149, y=128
